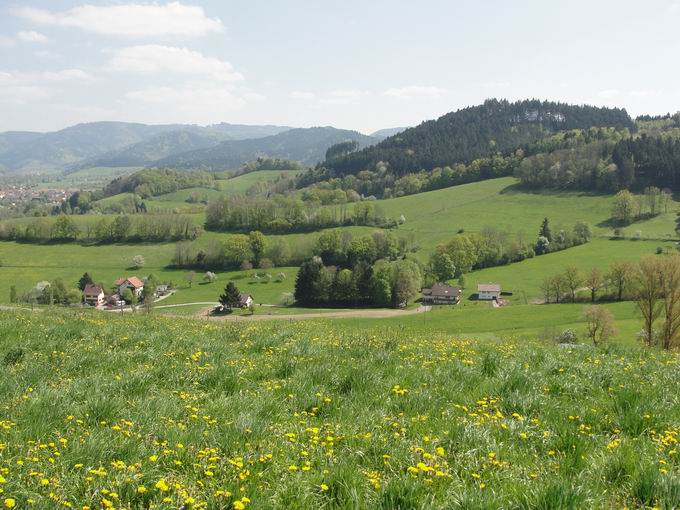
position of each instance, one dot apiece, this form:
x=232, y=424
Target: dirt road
x=344, y=314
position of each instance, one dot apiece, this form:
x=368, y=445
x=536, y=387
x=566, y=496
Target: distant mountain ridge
x=83, y=144
x=307, y=145
x=387, y=132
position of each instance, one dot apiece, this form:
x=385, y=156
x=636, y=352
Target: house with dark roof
x=93, y=294
x=441, y=294
x=246, y=300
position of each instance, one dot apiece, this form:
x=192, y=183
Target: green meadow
x=135, y=411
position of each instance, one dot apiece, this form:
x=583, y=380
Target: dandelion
x=10, y=503
x=162, y=486
x=323, y=487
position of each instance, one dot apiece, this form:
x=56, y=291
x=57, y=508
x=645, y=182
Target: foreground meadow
x=145, y=412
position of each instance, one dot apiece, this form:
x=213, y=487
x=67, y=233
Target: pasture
x=105, y=411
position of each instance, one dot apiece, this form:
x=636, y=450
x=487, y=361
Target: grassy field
x=24, y=265
x=240, y=184
x=143, y=412
x=524, y=278
x=436, y=216
x=522, y=321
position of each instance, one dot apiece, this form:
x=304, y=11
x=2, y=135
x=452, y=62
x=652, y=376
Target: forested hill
x=307, y=145
x=473, y=132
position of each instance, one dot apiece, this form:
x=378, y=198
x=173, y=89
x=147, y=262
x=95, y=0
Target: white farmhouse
x=488, y=291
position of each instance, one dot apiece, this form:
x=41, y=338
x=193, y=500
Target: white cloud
x=20, y=88
x=6, y=42
x=344, y=97
x=334, y=97
x=416, y=92
x=144, y=20
x=303, y=96
x=32, y=37
x=608, y=93
x=643, y=93
x=202, y=101
x=496, y=84
x=154, y=58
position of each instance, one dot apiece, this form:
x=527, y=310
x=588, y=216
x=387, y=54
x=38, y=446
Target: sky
x=354, y=64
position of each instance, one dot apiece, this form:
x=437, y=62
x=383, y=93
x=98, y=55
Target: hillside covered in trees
x=497, y=126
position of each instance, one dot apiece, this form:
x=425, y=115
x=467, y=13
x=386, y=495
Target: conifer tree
x=231, y=297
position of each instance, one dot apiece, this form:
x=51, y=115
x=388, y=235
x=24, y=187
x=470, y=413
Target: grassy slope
x=465, y=206
x=437, y=215
x=26, y=264
x=311, y=416
x=524, y=278
x=521, y=321
x=177, y=200
x=241, y=184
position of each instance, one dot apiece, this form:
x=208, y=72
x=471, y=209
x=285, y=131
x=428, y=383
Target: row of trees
x=614, y=284
x=257, y=250
x=653, y=283
x=656, y=284
x=386, y=283
x=628, y=208
x=491, y=247
x=282, y=214
x=124, y=228
x=617, y=163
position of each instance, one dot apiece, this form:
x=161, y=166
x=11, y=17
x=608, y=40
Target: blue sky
x=352, y=64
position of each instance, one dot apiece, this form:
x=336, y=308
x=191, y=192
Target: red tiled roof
x=135, y=282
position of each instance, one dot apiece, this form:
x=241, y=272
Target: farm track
x=345, y=314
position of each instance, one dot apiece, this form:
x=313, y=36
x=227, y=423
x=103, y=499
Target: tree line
x=497, y=126
x=384, y=283
x=255, y=250
x=653, y=283
x=381, y=182
x=491, y=247
x=620, y=162
x=123, y=228
x=286, y=214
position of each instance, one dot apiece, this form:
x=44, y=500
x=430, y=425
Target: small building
x=114, y=300
x=133, y=283
x=441, y=294
x=246, y=300
x=162, y=290
x=93, y=294
x=488, y=291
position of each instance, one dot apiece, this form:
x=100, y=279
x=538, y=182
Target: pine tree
x=545, y=230
x=85, y=280
x=231, y=297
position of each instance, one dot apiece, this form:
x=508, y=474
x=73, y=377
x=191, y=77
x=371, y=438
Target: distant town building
x=488, y=291
x=441, y=294
x=93, y=294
